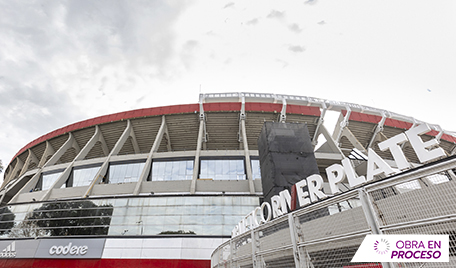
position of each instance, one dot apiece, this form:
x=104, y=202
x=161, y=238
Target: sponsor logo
x=382, y=247
x=403, y=248
x=9, y=251
x=68, y=249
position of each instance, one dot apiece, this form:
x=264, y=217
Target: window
x=408, y=186
x=232, y=169
x=83, y=176
x=47, y=180
x=256, y=171
x=438, y=178
x=172, y=170
x=124, y=173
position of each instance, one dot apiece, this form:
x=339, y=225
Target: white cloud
x=65, y=61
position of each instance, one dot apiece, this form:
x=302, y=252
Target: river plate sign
x=336, y=173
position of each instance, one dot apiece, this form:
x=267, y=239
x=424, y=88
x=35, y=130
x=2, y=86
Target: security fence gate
x=328, y=233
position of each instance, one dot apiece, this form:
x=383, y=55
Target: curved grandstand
x=167, y=185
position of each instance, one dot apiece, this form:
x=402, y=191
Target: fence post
x=369, y=213
x=255, y=244
x=294, y=240
x=231, y=253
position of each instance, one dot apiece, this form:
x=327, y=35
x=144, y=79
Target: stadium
x=165, y=186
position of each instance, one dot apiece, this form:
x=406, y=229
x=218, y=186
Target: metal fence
x=328, y=233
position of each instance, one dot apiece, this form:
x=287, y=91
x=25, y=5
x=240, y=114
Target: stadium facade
x=164, y=186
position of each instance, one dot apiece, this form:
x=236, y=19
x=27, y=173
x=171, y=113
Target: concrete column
x=146, y=170
x=197, y=156
x=104, y=167
x=248, y=164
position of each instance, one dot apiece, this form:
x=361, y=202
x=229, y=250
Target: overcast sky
x=66, y=61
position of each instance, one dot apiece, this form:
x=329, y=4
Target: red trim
x=375, y=119
x=294, y=197
x=103, y=263
x=174, y=109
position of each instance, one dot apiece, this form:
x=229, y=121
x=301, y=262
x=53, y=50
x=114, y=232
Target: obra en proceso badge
x=403, y=248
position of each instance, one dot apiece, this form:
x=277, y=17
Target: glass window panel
x=191, y=220
x=231, y=220
x=122, y=211
x=183, y=168
x=256, y=171
x=153, y=229
x=437, y=178
x=118, y=220
x=172, y=170
x=133, y=211
x=191, y=210
x=121, y=202
x=155, y=211
x=222, y=169
x=202, y=215
x=124, y=173
x=171, y=201
x=157, y=201
x=197, y=229
x=189, y=170
x=228, y=210
x=408, y=186
x=210, y=169
x=218, y=169
x=134, y=202
x=116, y=230
x=152, y=220
x=84, y=176
x=49, y=180
x=171, y=220
x=174, y=210
x=213, y=229
x=194, y=201
x=168, y=168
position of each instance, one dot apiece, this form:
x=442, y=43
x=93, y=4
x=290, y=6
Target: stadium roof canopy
x=221, y=124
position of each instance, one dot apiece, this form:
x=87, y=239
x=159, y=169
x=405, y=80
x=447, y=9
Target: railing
x=328, y=233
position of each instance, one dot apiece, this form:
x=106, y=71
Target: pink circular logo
x=382, y=247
